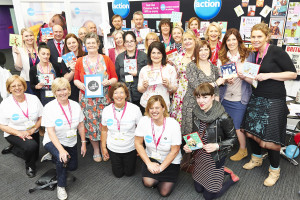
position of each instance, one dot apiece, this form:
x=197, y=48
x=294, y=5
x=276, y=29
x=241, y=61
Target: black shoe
x=8, y=149
x=30, y=172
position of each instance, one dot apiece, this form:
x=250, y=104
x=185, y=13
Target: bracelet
x=83, y=141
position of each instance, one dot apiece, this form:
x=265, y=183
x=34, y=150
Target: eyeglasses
x=128, y=42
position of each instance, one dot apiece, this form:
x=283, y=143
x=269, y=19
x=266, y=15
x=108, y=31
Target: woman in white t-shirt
x=158, y=77
x=119, y=121
x=62, y=118
x=20, y=120
x=162, y=138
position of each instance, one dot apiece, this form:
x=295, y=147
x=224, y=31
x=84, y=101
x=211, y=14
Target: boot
x=272, y=178
x=242, y=153
x=254, y=162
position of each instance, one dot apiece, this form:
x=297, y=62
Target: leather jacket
x=220, y=131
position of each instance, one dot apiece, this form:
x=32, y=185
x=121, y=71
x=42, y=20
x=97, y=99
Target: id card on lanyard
x=156, y=155
x=130, y=65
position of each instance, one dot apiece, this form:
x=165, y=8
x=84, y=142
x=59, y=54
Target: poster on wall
x=260, y=3
x=203, y=27
x=251, y=10
x=156, y=10
x=279, y=8
x=245, y=3
x=292, y=27
x=246, y=24
x=277, y=27
x=294, y=53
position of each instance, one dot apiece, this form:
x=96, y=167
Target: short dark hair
x=129, y=33
x=161, y=48
x=203, y=90
x=114, y=87
x=43, y=45
x=2, y=58
x=116, y=16
x=165, y=21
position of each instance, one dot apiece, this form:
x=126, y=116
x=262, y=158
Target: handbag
x=187, y=163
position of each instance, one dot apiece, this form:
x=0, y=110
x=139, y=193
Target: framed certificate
x=93, y=85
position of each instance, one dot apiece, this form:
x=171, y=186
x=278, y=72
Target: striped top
x=205, y=171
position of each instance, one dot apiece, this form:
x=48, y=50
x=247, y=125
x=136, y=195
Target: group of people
x=176, y=97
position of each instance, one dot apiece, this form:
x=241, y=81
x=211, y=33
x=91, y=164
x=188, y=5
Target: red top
x=79, y=71
x=112, y=54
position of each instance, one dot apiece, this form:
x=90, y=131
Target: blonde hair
x=11, y=79
x=152, y=100
x=60, y=83
x=215, y=24
x=264, y=28
x=179, y=28
x=189, y=34
x=152, y=34
x=31, y=32
x=138, y=13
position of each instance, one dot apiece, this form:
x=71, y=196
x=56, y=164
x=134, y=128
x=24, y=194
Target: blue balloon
x=290, y=150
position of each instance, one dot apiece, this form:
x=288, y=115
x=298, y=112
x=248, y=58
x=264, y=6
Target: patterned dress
x=176, y=105
x=93, y=107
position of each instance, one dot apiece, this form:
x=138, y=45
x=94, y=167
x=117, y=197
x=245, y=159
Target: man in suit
x=56, y=46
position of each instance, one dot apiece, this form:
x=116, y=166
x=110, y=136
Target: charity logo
x=15, y=117
x=59, y=122
x=121, y=7
x=77, y=11
x=163, y=7
x=109, y=122
x=30, y=11
x=148, y=139
x=207, y=9
x=93, y=86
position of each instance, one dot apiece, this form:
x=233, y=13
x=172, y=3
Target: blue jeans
x=61, y=171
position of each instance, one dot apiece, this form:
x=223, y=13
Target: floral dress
x=93, y=107
x=176, y=104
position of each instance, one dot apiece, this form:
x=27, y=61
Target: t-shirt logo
x=15, y=117
x=110, y=122
x=59, y=122
x=148, y=139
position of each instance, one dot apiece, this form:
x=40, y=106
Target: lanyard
x=115, y=115
x=58, y=48
x=215, y=52
x=263, y=54
x=87, y=64
x=42, y=71
x=35, y=57
x=25, y=114
x=166, y=44
x=153, y=133
x=69, y=121
x=136, y=53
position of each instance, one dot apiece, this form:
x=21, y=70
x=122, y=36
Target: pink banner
x=169, y=6
x=151, y=8
x=160, y=8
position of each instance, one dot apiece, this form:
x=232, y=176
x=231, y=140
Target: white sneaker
x=62, y=193
x=47, y=156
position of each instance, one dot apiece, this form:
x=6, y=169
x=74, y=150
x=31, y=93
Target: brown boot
x=254, y=162
x=272, y=178
x=242, y=153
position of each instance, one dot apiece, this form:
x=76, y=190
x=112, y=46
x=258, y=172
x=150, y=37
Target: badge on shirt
x=128, y=78
x=59, y=59
x=29, y=124
x=71, y=133
x=120, y=136
x=49, y=93
x=155, y=155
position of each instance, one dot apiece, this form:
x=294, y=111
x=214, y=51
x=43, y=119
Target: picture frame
x=93, y=85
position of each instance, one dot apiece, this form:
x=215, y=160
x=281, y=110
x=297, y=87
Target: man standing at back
x=91, y=27
x=117, y=22
x=138, y=20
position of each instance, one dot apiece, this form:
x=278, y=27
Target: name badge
x=155, y=155
x=59, y=59
x=128, y=78
x=29, y=124
x=140, y=46
x=71, y=133
x=119, y=136
x=49, y=93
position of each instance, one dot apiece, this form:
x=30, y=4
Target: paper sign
x=239, y=10
x=245, y=3
x=265, y=11
x=294, y=53
x=176, y=16
x=277, y=27
x=260, y=3
x=251, y=10
x=246, y=25
x=15, y=40
x=48, y=32
x=93, y=85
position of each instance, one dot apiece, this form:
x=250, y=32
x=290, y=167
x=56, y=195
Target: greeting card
x=193, y=141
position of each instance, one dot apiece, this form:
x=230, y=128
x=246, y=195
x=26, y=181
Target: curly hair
x=243, y=51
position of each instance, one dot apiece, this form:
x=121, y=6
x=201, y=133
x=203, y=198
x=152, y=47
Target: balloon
x=290, y=150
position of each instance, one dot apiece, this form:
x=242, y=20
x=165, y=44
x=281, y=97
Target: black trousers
x=123, y=163
x=30, y=148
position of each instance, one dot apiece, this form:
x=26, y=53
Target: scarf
x=211, y=115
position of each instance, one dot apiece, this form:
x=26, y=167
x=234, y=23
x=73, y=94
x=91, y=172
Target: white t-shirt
x=171, y=136
x=11, y=115
x=53, y=116
x=123, y=141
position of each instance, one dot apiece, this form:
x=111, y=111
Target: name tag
x=119, y=136
x=29, y=124
x=59, y=59
x=128, y=78
x=49, y=93
x=71, y=133
x=155, y=155
x=140, y=46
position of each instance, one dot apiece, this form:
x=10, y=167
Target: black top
x=162, y=40
x=141, y=62
x=276, y=60
x=54, y=57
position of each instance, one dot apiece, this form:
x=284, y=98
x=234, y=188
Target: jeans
x=61, y=171
x=29, y=147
